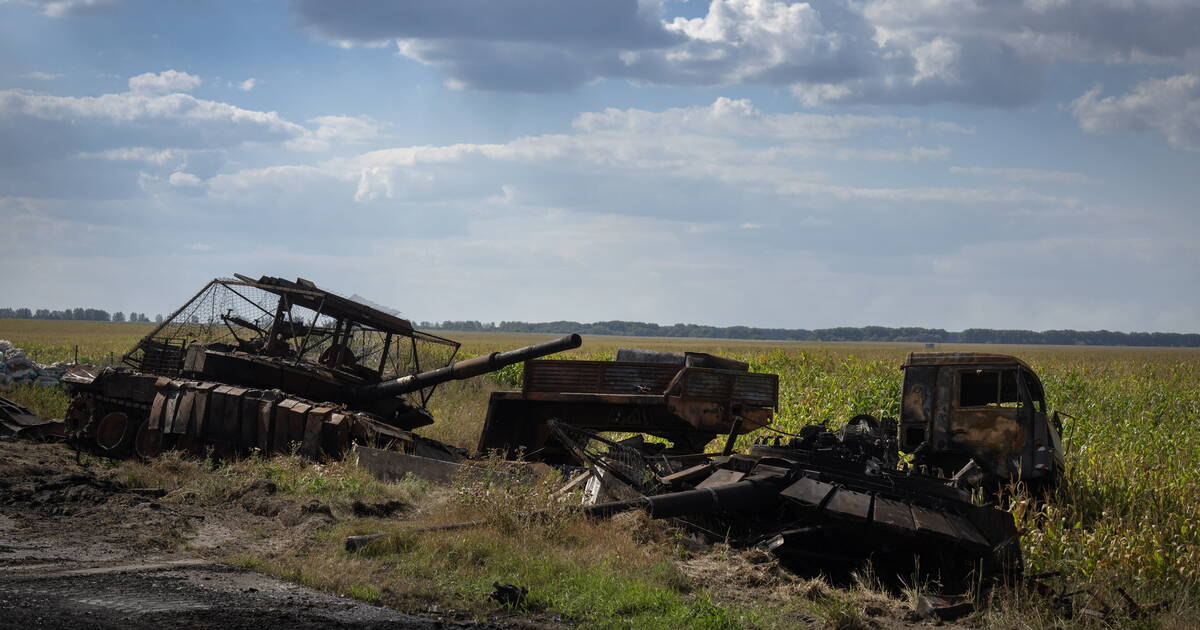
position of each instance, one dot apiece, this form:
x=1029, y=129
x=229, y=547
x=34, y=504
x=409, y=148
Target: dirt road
x=79, y=551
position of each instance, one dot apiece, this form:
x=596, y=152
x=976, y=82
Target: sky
x=944, y=163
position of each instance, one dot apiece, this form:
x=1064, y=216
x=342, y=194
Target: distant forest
x=75, y=314
x=864, y=333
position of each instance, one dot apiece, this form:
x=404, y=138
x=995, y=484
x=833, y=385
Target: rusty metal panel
x=171, y=407
x=232, y=421
x=721, y=477
x=931, y=522
x=598, y=377
x=183, y=412
x=335, y=434
x=317, y=417
x=894, y=514
x=297, y=417
x=154, y=422
x=267, y=428
x=808, y=492
x=760, y=390
x=289, y=424
x=200, y=410
x=850, y=504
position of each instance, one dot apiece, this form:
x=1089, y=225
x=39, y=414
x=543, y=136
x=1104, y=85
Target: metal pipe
x=465, y=369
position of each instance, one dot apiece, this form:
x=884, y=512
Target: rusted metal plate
x=721, y=477
x=760, y=390
x=183, y=412
x=966, y=530
x=335, y=434
x=269, y=433
x=689, y=474
x=893, y=514
x=808, y=492
x=606, y=377
x=236, y=407
x=169, y=409
x=931, y=522
x=297, y=418
x=154, y=422
x=850, y=504
x=200, y=409
x=311, y=444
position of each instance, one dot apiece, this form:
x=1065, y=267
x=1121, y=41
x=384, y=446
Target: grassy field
x=1128, y=515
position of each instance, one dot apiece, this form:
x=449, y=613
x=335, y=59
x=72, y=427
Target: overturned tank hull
x=825, y=501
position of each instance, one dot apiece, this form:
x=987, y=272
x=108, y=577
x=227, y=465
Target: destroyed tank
x=278, y=366
x=825, y=501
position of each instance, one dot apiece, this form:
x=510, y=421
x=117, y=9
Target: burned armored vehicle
x=275, y=365
x=825, y=500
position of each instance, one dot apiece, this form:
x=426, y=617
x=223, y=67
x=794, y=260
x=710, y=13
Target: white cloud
x=1170, y=107
x=165, y=81
x=729, y=146
x=332, y=130
x=248, y=84
x=69, y=8
x=42, y=76
x=135, y=154
x=184, y=180
x=1025, y=174
x=53, y=125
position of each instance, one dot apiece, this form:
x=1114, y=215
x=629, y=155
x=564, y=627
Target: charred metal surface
x=686, y=398
x=16, y=419
x=273, y=365
x=823, y=501
x=990, y=408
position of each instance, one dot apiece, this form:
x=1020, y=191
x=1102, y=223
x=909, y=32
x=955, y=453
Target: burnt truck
x=687, y=399
x=975, y=413
x=274, y=365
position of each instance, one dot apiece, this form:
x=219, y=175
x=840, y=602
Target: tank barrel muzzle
x=466, y=369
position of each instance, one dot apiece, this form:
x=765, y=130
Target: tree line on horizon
x=76, y=315
x=841, y=333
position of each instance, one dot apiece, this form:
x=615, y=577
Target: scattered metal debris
x=16, y=419
x=942, y=608
x=509, y=595
x=1070, y=602
x=354, y=543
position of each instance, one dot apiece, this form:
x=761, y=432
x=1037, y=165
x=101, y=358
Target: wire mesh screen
x=236, y=316
x=627, y=463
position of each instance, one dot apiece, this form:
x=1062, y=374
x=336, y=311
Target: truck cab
x=990, y=408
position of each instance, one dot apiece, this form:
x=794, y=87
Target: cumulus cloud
x=42, y=76
x=1170, y=107
x=326, y=131
x=184, y=180
x=248, y=84
x=165, y=81
x=828, y=51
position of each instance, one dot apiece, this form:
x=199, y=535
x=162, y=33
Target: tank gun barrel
x=466, y=369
